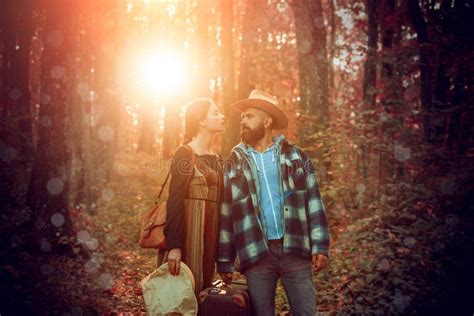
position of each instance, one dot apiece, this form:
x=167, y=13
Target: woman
x=194, y=193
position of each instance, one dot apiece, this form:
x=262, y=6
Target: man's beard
x=251, y=136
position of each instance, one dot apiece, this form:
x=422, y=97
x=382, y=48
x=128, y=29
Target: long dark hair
x=196, y=111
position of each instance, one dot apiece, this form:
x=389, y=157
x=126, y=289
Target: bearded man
x=272, y=217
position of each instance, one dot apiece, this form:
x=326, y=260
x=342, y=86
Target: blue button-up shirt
x=270, y=194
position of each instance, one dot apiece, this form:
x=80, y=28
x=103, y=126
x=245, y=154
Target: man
x=272, y=216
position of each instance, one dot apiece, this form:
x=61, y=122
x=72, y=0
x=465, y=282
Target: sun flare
x=161, y=72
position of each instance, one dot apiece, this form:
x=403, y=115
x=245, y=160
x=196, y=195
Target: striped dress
x=199, y=220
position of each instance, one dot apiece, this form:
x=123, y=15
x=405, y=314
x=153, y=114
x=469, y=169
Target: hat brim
x=280, y=120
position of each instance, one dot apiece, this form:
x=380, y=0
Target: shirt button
x=286, y=209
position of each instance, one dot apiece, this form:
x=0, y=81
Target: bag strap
x=157, y=200
x=169, y=174
x=162, y=187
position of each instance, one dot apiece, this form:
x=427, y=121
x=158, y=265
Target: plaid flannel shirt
x=241, y=230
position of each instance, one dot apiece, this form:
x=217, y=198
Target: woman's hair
x=196, y=111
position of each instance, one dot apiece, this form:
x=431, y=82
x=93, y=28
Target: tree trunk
x=387, y=37
x=49, y=186
x=170, y=132
x=5, y=35
x=313, y=73
x=246, y=68
x=312, y=57
x=370, y=73
x=148, y=128
x=172, y=121
x=455, y=124
x=228, y=84
x=203, y=73
x=83, y=165
x=461, y=124
x=5, y=187
x=424, y=47
x=441, y=103
x=369, y=87
x=16, y=95
x=104, y=48
x=448, y=54
x=392, y=168
x=332, y=47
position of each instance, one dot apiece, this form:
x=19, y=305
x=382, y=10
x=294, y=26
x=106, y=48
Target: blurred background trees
x=380, y=93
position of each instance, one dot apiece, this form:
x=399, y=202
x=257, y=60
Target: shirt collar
x=277, y=140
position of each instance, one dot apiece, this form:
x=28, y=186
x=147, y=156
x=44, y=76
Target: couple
x=261, y=206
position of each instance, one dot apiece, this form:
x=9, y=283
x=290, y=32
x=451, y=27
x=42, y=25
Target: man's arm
x=225, y=244
x=319, y=230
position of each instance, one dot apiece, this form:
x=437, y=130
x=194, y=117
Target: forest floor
x=400, y=260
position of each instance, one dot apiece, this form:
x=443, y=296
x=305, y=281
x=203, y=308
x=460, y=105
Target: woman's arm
x=181, y=173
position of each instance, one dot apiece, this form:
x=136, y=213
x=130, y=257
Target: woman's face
x=214, y=121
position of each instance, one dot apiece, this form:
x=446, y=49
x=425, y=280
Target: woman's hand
x=174, y=261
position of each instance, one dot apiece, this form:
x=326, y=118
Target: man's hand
x=226, y=277
x=174, y=261
x=319, y=262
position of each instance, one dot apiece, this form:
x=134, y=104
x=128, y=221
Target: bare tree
x=370, y=73
x=17, y=30
x=171, y=127
x=203, y=40
x=228, y=84
x=312, y=58
x=313, y=73
x=48, y=190
x=249, y=31
x=83, y=160
x=104, y=46
x=332, y=43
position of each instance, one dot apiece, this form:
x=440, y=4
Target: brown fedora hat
x=265, y=102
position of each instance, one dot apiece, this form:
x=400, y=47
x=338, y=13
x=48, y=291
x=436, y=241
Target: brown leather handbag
x=153, y=222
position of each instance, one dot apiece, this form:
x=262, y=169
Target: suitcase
x=225, y=300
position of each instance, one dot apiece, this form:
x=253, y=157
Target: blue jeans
x=296, y=274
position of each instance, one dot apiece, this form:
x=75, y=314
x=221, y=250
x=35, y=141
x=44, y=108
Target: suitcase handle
x=221, y=283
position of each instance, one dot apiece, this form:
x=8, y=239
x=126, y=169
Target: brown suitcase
x=226, y=300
